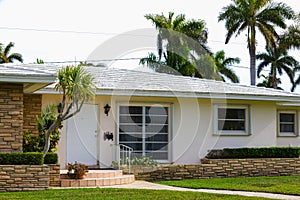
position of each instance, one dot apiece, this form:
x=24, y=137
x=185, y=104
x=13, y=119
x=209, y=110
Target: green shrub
x=32, y=143
x=143, y=161
x=271, y=152
x=30, y=158
x=51, y=158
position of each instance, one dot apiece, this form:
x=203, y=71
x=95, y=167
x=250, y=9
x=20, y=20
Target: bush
x=51, y=158
x=144, y=161
x=36, y=143
x=30, y=158
x=272, y=152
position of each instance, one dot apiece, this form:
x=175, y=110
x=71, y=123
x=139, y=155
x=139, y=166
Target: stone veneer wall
x=54, y=174
x=24, y=177
x=220, y=168
x=32, y=108
x=11, y=117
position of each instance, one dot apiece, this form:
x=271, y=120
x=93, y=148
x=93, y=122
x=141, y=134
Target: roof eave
x=181, y=94
x=30, y=83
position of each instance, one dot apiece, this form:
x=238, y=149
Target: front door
x=82, y=136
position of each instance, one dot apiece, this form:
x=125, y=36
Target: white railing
x=124, y=155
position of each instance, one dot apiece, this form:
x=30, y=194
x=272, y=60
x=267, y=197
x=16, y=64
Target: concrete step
x=95, y=178
x=96, y=174
x=94, y=182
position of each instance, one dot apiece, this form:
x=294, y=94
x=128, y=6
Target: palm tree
x=76, y=86
x=178, y=41
x=253, y=15
x=39, y=61
x=268, y=82
x=5, y=57
x=223, y=64
x=290, y=39
x=89, y=64
x=279, y=61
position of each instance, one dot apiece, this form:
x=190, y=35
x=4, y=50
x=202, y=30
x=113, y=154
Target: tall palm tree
x=171, y=30
x=5, y=57
x=278, y=60
x=253, y=15
x=180, y=42
x=223, y=64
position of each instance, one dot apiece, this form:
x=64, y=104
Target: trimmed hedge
x=30, y=158
x=51, y=158
x=272, y=152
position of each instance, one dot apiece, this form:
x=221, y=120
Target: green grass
x=123, y=194
x=279, y=184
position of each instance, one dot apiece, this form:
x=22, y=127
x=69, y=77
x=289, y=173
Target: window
x=146, y=130
x=231, y=120
x=287, y=123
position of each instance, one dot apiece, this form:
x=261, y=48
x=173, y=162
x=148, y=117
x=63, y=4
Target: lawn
x=279, y=184
x=97, y=193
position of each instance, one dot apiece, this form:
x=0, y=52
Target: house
x=173, y=119
x=18, y=106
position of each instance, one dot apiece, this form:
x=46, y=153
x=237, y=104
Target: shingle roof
x=33, y=77
x=27, y=70
x=112, y=81
x=120, y=81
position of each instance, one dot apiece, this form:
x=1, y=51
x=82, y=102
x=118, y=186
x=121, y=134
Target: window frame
x=170, y=123
x=288, y=134
x=247, y=130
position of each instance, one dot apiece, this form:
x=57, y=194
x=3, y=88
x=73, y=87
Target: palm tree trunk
x=252, y=50
x=274, y=78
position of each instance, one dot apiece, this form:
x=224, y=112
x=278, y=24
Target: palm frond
x=15, y=56
x=8, y=48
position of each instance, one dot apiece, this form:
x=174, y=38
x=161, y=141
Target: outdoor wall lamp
x=106, y=109
x=108, y=136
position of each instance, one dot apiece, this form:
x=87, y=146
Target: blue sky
x=93, y=22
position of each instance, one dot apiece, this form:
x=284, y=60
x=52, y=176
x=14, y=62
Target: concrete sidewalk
x=154, y=186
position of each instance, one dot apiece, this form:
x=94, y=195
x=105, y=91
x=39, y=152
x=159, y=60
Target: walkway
x=154, y=186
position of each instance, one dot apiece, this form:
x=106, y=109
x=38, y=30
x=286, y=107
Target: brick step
x=94, y=182
x=96, y=174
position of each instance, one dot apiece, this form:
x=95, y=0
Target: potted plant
x=77, y=170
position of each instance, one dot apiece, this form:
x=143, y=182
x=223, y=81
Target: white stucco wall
x=196, y=129
x=290, y=141
x=192, y=125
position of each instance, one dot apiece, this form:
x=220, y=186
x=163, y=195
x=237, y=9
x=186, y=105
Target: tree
x=76, y=86
x=39, y=61
x=279, y=61
x=86, y=64
x=206, y=68
x=36, y=143
x=253, y=15
x=5, y=57
x=223, y=64
x=180, y=44
x=290, y=39
x=268, y=82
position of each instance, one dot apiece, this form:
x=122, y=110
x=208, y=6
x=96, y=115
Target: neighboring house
x=18, y=106
x=174, y=119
